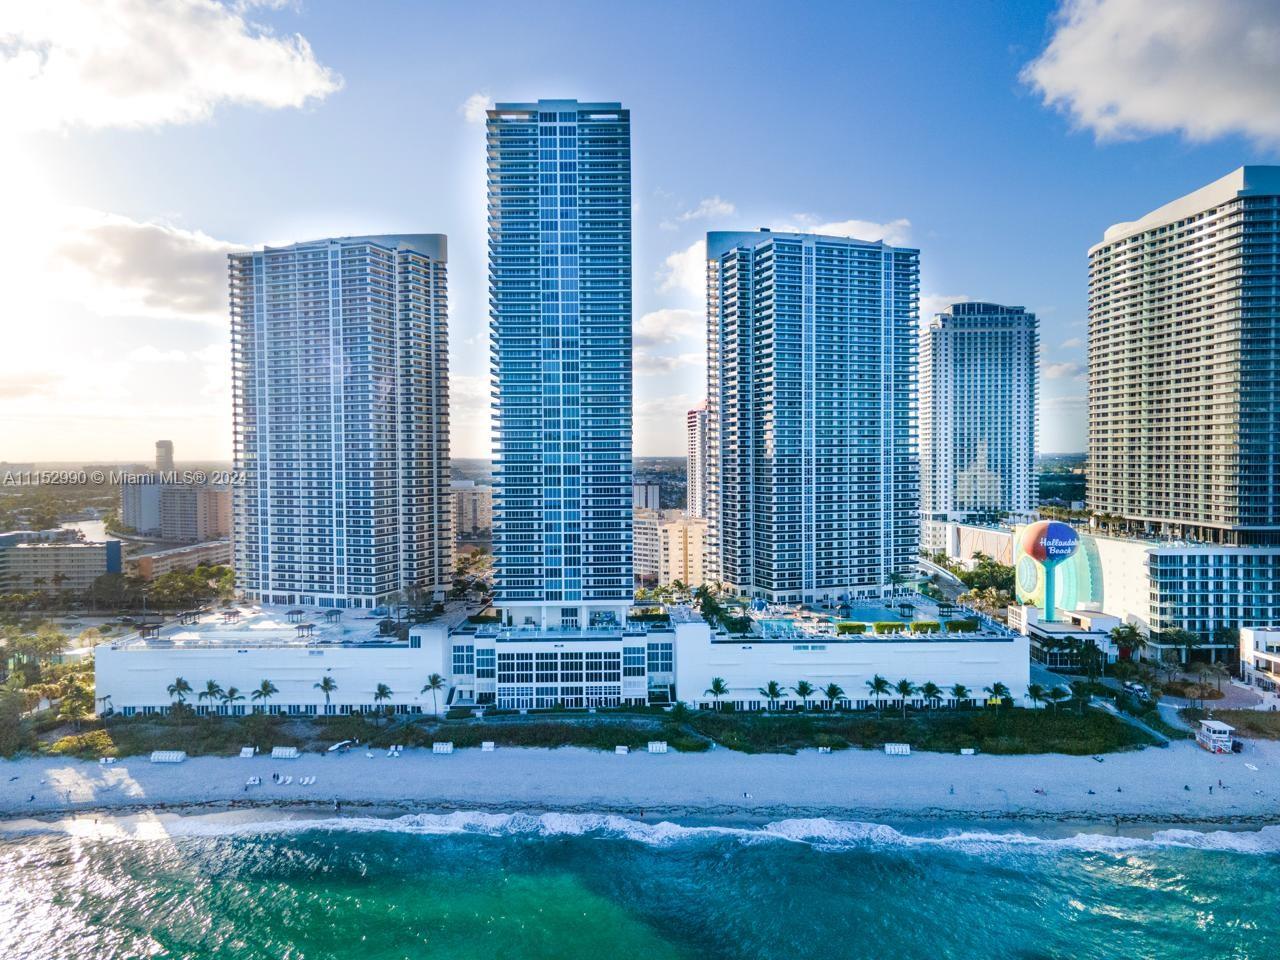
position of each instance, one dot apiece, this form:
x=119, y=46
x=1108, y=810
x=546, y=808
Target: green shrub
x=485, y=618
x=87, y=746
x=926, y=626
x=889, y=626
x=845, y=628
x=736, y=624
x=962, y=626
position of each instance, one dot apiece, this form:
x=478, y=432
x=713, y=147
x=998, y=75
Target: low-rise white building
x=1260, y=658
x=975, y=660
x=335, y=664
x=295, y=657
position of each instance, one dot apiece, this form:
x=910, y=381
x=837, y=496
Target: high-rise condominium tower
x=696, y=463
x=164, y=456
x=1184, y=365
x=340, y=391
x=560, y=302
x=978, y=413
x=813, y=487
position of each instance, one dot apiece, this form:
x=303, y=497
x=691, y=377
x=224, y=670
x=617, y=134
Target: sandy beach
x=1145, y=786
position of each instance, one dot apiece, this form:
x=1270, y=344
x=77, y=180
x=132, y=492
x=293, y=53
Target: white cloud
x=707, y=209
x=470, y=416
x=1072, y=343
x=1129, y=68
x=144, y=63
x=685, y=271
x=1061, y=371
x=646, y=362
x=670, y=325
x=895, y=233
x=474, y=108
x=933, y=303
x=117, y=266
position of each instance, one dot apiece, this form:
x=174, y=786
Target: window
x=485, y=663
x=661, y=658
x=464, y=659
x=633, y=661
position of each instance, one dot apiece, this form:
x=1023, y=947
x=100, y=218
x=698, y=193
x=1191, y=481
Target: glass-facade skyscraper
x=340, y=398
x=1184, y=365
x=978, y=364
x=559, y=182
x=812, y=473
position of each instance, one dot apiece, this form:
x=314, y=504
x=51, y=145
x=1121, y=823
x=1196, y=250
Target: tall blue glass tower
x=812, y=473
x=559, y=178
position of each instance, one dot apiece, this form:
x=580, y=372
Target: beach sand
x=1139, y=786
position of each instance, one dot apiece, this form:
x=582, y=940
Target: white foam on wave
x=820, y=833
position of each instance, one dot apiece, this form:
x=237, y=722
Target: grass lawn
x=1005, y=731
x=1248, y=723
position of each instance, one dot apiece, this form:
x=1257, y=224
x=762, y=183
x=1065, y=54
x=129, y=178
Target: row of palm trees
x=879, y=688
x=213, y=692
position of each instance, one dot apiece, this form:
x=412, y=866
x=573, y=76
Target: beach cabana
x=284, y=753
x=168, y=756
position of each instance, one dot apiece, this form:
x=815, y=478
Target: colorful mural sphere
x=1049, y=541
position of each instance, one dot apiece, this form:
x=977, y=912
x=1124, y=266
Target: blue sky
x=999, y=138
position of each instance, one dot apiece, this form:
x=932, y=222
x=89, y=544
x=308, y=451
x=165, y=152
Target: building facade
x=1207, y=589
x=559, y=182
x=340, y=393
x=646, y=546
x=696, y=463
x=646, y=495
x=54, y=561
x=164, y=456
x=1184, y=427
x=148, y=566
x=472, y=508
x=978, y=365
x=682, y=543
x=813, y=485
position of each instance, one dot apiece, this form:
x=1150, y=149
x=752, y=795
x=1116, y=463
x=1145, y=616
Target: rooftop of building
x=242, y=626
x=720, y=242
x=1242, y=182
x=908, y=617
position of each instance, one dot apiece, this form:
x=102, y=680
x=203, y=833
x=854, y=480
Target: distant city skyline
x=1062, y=122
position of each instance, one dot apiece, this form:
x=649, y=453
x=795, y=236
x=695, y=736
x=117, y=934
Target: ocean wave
x=820, y=833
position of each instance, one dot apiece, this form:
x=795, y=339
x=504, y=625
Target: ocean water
x=607, y=888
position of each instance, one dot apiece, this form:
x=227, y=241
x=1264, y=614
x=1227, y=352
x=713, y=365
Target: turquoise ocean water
x=605, y=888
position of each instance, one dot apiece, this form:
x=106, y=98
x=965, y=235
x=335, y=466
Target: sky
x=141, y=141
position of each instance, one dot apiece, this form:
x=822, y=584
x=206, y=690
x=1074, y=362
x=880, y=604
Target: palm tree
x=879, y=688
x=833, y=692
x=1035, y=693
x=179, y=689
x=266, y=690
x=905, y=689
x=382, y=693
x=997, y=691
x=212, y=691
x=232, y=695
x=1080, y=690
x=326, y=686
x=1128, y=639
x=960, y=693
x=717, y=690
x=771, y=691
x=435, y=683
x=1056, y=694
x=805, y=690
x=931, y=692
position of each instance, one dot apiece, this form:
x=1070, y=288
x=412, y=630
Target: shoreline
x=1132, y=789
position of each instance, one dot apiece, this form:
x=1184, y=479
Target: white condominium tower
x=813, y=489
x=978, y=414
x=1184, y=365
x=696, y=463
x=560, y=302
x=340, y=392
